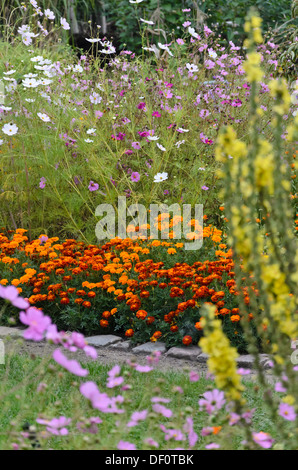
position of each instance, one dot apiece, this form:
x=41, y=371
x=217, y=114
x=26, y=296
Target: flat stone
x=265, y=361
x=103, y=340
x=190, y=353
x=122, y=345
x=246, y=361
x=13, y=332
x=149, y=348
x=202, y=358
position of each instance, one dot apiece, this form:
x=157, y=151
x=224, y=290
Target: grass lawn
x=20, y=404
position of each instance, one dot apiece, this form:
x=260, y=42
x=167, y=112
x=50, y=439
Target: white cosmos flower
x=30, y=75
x=165, y=48
x=38, y=58
x=24, y=29
x=147, y=22
x=93, y=40
x=193, y=33
x=9, y=72
x=78, y=68
x=91, y=131
x=180, y=142
x=152, y=137
x=148, y=49
x=44, y=117
x=161, y=147
x=29, y=100
x=5, y=108
x=64, y=23
x=30, y=83
x=212, y=54
x=180, y=129
x=49, y=14
x=1, y=141
x=89, y=141
x=27, y=40
x=160, y=177
x=11, y=87
x=95, y=98
x=192, y=67
x=110, y=50
x=135, y=1
x=10, y=129
x=45, y=81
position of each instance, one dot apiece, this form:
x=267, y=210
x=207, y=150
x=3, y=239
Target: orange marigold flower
x=235, y=318
x=141, y=314
x=174, y=328
x=129, y=333
x=106, y=314
x=187, y=340
x=198, y=326
x=104, y=323
x=64, y=301
x=156, y=336
x=91, y=294
x=150, y=320
x=144, y=294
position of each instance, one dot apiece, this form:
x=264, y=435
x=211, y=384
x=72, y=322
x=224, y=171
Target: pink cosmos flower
x=56, y=426
x=193, y=376
x=166, y=412
x=11, y=294
x=175, y=434
x=212, y=446
x=287, y=412
x=143, y=369
x=212, y=401
x=42, y=183
x=93, y=186
x=100, y=401
x=136, y=145
x=263, y=439
x=113, y=377
x=90, y=352
x=141, y=105
x=192, y=436
x=151, y=442
x=71, y=365
x=180, y=41
x=122, y=445
x=38, y=323
x=136, y=417
x=160, y=400
x=135, y=177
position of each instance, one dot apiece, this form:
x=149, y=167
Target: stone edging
x=189, y=353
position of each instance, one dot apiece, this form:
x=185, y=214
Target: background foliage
x=121, y=17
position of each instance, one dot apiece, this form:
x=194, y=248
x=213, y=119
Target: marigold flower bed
x=144, y=290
